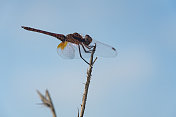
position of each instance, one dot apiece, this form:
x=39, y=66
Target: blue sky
x=139, y=82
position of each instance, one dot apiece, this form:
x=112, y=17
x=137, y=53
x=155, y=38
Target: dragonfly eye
x=88, y=40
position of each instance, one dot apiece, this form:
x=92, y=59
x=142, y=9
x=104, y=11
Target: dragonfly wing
x=66, y=50
x=103, y=50
x=77, y=53
x=70, y=50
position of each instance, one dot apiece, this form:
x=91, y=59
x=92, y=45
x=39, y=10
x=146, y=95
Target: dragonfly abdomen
x=58, y=36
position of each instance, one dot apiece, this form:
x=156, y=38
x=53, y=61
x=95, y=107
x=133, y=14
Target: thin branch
x=87, y=82
x=78, y=112
x=94, y=60
x=47, y=101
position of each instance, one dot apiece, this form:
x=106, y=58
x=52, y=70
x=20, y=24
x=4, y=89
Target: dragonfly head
x=88, y=40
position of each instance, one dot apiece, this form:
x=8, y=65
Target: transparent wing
x=103, y=50
x=77, y=53
x=71, y=50
x=68, y=52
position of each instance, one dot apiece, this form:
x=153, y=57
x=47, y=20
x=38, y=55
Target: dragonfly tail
x=58, y=36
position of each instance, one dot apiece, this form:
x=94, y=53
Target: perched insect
x=75, y=45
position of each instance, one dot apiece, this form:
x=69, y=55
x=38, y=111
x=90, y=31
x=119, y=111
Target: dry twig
x=46, y=100
x=87, y=82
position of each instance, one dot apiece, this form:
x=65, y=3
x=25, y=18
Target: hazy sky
x=139, y=82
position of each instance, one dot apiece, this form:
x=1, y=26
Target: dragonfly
x=78, y=46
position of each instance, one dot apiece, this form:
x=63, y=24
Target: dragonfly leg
x=90, y=47
x=89, y=51
x=81, y=55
